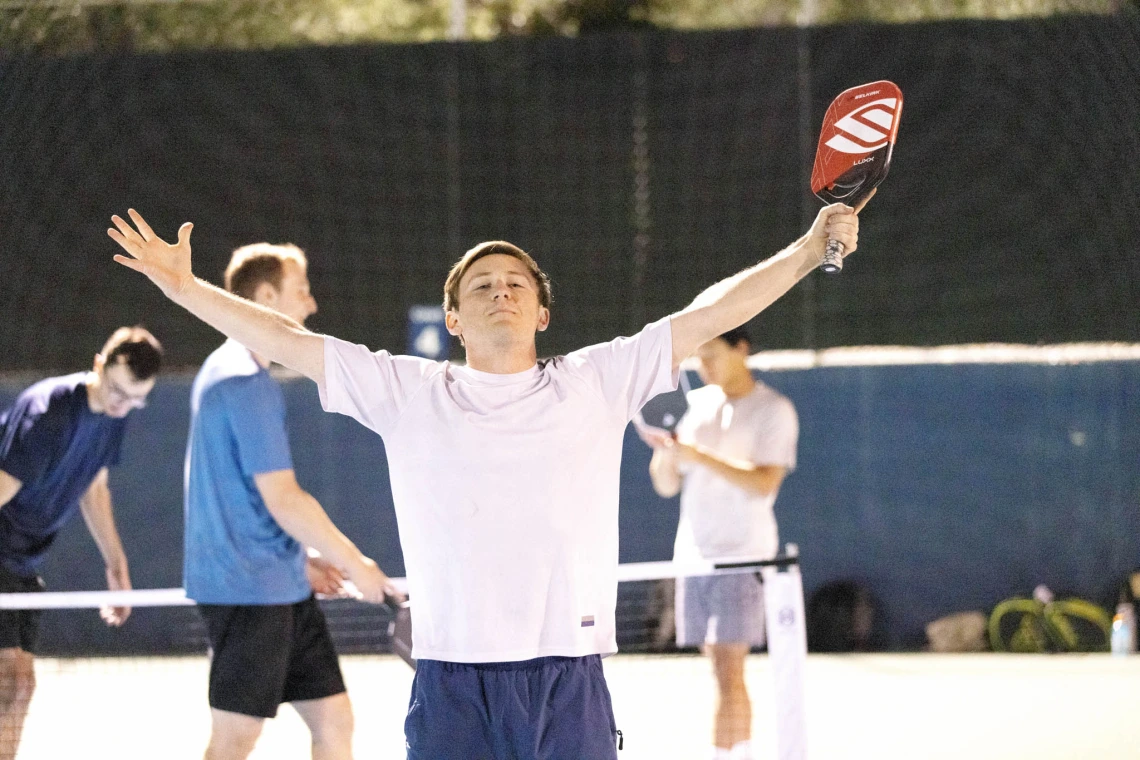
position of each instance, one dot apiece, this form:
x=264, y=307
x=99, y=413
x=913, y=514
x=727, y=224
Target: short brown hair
x=736, y=336
x=254, y=264
x=140, y=351
x=451, y=286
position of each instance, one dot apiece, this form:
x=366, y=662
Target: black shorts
x=19, y=629
x=263, y=655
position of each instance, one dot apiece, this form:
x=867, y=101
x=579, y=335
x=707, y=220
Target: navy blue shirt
x=53, y=443
x=236, y=553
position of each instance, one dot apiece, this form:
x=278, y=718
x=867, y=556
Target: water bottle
x=1124, y=629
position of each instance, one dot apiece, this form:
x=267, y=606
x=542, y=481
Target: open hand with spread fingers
x=167, y=266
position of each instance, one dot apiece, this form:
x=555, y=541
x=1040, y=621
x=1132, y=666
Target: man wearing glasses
x=56, y=442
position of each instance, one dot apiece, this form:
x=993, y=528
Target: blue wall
x=950, y=487
x=942, y=487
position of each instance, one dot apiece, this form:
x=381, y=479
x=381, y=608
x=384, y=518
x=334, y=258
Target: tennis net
x=163, y=697
x=644, y=614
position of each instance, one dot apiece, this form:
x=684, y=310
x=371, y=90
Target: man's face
x=293, y=299
x=720, y=363
x=498, y=303
x=119, y=392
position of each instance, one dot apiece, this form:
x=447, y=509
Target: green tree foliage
x=921, y=10
x=239, y=24
x=61, y=27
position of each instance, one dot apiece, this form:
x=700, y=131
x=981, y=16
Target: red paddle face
x=855, y=145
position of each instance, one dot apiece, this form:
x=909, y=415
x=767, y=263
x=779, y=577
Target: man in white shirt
x=732, y=450
x=504, y=474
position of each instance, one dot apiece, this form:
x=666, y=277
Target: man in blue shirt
x=247, y=525
x=56, y=442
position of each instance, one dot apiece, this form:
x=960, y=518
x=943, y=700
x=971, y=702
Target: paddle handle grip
x=832, y=257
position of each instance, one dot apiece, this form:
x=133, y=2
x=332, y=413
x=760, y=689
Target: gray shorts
x=720, y=609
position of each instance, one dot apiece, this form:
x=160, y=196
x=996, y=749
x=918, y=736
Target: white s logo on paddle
x=865, y=129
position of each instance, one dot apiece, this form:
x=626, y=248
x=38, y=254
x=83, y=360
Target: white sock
x=719, y=753
x=741, y=750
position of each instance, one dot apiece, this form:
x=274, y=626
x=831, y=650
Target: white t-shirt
x=506, y=489
x=719, y=519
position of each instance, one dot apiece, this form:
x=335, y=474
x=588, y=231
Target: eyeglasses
x=119, y=396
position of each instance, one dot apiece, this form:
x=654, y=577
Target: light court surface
x=877, y=707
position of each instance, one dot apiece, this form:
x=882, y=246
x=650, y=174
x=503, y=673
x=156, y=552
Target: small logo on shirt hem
x=588, y=621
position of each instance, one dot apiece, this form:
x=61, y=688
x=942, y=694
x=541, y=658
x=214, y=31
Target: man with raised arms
x=505, y=478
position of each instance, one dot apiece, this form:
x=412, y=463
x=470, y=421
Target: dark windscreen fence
x=1011, y=212
x=726, y=159
x=638, y=168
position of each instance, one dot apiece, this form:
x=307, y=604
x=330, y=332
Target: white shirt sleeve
x=777, y=436
x=627, y=372
x=372, y=388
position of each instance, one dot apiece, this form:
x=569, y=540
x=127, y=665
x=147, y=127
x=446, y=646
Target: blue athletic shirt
x=53, y=443
x=236, y=553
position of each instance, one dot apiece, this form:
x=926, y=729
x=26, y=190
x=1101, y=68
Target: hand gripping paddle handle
x=832, y=257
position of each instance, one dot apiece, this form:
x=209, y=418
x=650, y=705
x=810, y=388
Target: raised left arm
x=737, y=299
x=95, y=504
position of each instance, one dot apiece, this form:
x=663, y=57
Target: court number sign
x=427, y=333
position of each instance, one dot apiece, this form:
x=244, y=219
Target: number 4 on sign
x=427, y=332
x=428, y=342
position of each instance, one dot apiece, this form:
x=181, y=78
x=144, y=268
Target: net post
x=787, y=652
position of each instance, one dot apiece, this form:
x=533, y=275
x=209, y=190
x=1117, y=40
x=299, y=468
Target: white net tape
x=173, y=597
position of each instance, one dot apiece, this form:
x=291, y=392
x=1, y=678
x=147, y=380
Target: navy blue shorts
x=552, y=708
